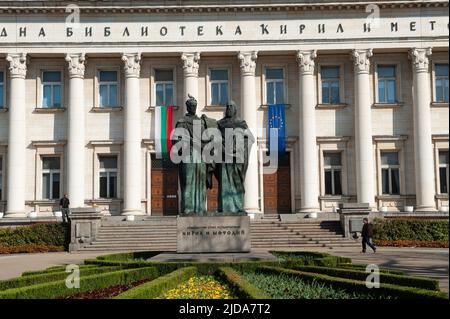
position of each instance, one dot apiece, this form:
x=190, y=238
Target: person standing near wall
x=367, y=234
x=64, y=205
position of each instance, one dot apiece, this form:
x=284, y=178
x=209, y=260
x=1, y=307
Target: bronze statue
x=192, y=170
x=237, y=142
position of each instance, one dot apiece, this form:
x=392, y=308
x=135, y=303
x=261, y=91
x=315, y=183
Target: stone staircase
x=270, y=234
x=159, y=234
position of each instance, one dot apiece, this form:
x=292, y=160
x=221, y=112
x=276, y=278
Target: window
x=1, y=178
x=2, y=89
x=164, y=87
x=387, y=87
x=441, y=82
x=390, y=173
x=443, y=172
x=274, y=86
x=219, y=86
x=108, y=86
x=333, y=173
x=330, y=84
x=50, y=178
x=51, y=89
x=108, y=176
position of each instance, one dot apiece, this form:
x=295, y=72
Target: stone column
x=309, y=161
x=365, y=185
x=423, y=148
x=132, y=136
x=76, y=129
x=190, y=70
x=16, y=136
x=248, y=109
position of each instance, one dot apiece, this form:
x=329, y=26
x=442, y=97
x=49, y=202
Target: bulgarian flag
x=163, y=129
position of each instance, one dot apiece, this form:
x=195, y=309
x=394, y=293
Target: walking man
x=367, y=234
x=64, y=204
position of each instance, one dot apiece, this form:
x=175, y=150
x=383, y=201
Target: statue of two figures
x=212, y=148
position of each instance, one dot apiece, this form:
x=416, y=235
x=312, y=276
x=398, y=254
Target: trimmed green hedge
x=357, y=286
x=52, y=234
x=155, y=288
x=53, y=269
x=400, y=280
x=50, y=276
x=410, y=229
x=58, y=288
x=363, y=267
x=241, y=288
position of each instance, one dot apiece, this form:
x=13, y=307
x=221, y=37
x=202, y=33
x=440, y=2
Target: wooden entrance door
x=211, y=197
x=164, y=186
x=277, y=188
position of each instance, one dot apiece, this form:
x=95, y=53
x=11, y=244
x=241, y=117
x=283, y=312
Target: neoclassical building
x=364, y=84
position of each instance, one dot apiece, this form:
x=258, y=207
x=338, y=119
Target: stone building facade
x=365, y=88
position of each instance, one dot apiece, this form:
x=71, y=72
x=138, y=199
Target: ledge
x=48, y=143
x=103, y=201
x=324, y=106
x=3, y=109
x=441, y=196
x=439, y=104
x=49, y=110
x=215, y=108
x=266, y=106
x=389, y=138
x=14, y=7
x=387, y=105
x=152, y=108
x=106, y=142
x=106, y=109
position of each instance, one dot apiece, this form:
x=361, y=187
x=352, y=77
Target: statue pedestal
x=217, y=234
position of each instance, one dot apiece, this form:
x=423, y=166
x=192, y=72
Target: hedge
x=49, y=277
x=410, y=229
x=156, y=287
x=241, y=288
x=400, y=280
x=357, y=286
x=53, y=269
x=49, y=234
x=363, y=267
x=58, y=288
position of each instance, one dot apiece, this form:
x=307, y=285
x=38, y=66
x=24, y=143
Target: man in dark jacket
x=367, y=234
x=64, y=204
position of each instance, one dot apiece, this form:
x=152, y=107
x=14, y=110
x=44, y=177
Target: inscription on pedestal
x=213, y=234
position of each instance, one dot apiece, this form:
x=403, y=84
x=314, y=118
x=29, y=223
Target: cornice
x=27, y=8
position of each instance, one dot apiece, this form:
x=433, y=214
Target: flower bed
x=286, y=287
x=294, y=275
x=413, y=243
x=106, y=293
x=199, y=287
x=37, y=238
x=32, y=248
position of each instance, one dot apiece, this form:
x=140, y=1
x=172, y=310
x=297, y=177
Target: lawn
x=294, y=275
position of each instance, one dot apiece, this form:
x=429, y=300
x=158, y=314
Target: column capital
x=76, y=64
x=190, y=63
x=248, y=62
x=17, y=64
x=305, y=60
x=420, y=59
x=132, y=64
x=361, y=60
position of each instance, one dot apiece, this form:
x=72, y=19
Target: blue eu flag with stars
x=276, y=119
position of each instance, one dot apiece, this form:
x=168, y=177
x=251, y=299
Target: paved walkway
x=430, y=262
x=415, y=261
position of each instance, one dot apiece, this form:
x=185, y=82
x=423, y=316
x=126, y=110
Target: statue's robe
x=192, y=174
x=231, y=176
